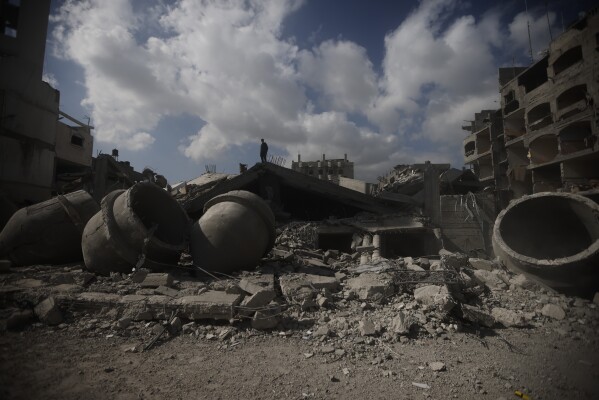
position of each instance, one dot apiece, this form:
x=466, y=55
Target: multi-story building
x=330, y=170
x=37, y=151
x=549, y=118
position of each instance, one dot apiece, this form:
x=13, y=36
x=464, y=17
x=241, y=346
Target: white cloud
x=227, y=63
x=342, y=73
x=434, y=77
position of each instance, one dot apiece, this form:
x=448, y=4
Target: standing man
x=263, y=151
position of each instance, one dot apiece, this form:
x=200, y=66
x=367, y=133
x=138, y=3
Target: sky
x=179, y=85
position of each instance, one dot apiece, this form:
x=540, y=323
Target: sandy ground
x=65, y=363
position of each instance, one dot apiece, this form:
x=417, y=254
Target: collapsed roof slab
x=299, y=195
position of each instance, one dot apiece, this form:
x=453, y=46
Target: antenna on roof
x=532, y=60
x=548, y=23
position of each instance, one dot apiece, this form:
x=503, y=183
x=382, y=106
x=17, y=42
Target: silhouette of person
x=263, y=151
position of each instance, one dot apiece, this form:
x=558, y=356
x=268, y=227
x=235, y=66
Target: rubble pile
x=346, y=309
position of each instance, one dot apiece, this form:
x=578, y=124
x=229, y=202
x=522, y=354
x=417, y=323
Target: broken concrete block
x=260, y=299
x=479, y=263
x=323, y=282
x=124, y=323
x=371, y=286
x=154, y=280
x=424, y=263
x=553, y=311
x=257, y=283
x=48, y=312
x=211, y=304
x=476, y=315
x=402, y=323
x=282, y=254
x=267, y=318
x=490, y=279
x=296, y=288
x=139, y=275
x=507, y=317
x=437, y=296
x=366, y=327
x=19, y=320
x=414, y=267
x=166, y=291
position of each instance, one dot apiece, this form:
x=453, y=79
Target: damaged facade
x=544, y=138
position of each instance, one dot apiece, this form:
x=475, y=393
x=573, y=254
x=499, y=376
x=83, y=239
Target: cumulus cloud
x=227, y=63
x=435, y=77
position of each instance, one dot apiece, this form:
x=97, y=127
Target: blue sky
x=177, y=85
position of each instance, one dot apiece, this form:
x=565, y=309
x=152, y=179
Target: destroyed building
x=44, y=142
x=43, y=150
x=544, y=138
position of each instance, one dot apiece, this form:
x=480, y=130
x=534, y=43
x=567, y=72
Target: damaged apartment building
x=544, y=137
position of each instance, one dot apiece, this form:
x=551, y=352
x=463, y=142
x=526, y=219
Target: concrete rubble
x=331, y=304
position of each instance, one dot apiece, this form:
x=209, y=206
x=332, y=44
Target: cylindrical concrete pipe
x=143, y=225
x=48, y=232
x=552, y=237
x=235, y=232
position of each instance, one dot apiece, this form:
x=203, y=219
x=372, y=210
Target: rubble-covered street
x=305, y=324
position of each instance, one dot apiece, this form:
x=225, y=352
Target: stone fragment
x=414, y=267
x=283, y=254
x=490, y=279
x=327, y=349
x=322, y=331
x=48, y=312
x=250, y=304
x=323, y=282
x=476, y=315
x=437, y=366
x=437, y=296
x=297, y=289
x=402, y=323
x=371, y=286
x=256, y=283
x=124, y=323
x=508, y=318
x=266, y=319
x=139, y=275
x=176, y=325
x=211, y=304
x=154, y=280
x=553, y=311
x=166, y=291
x=367, y=327
x=480, y=263
x=19, y=320
x=523, y=282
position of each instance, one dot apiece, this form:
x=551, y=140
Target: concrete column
x=376, y=242
x=432, y=195
x=365, y=258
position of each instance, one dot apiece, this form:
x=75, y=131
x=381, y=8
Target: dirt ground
x=60, y=363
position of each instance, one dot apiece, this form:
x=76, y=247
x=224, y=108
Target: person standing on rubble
x=263, y=151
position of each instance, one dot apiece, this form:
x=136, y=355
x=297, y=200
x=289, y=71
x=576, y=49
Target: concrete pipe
x=142, y=226
x=48, y=232
x=552, y=237
x=235, y=232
